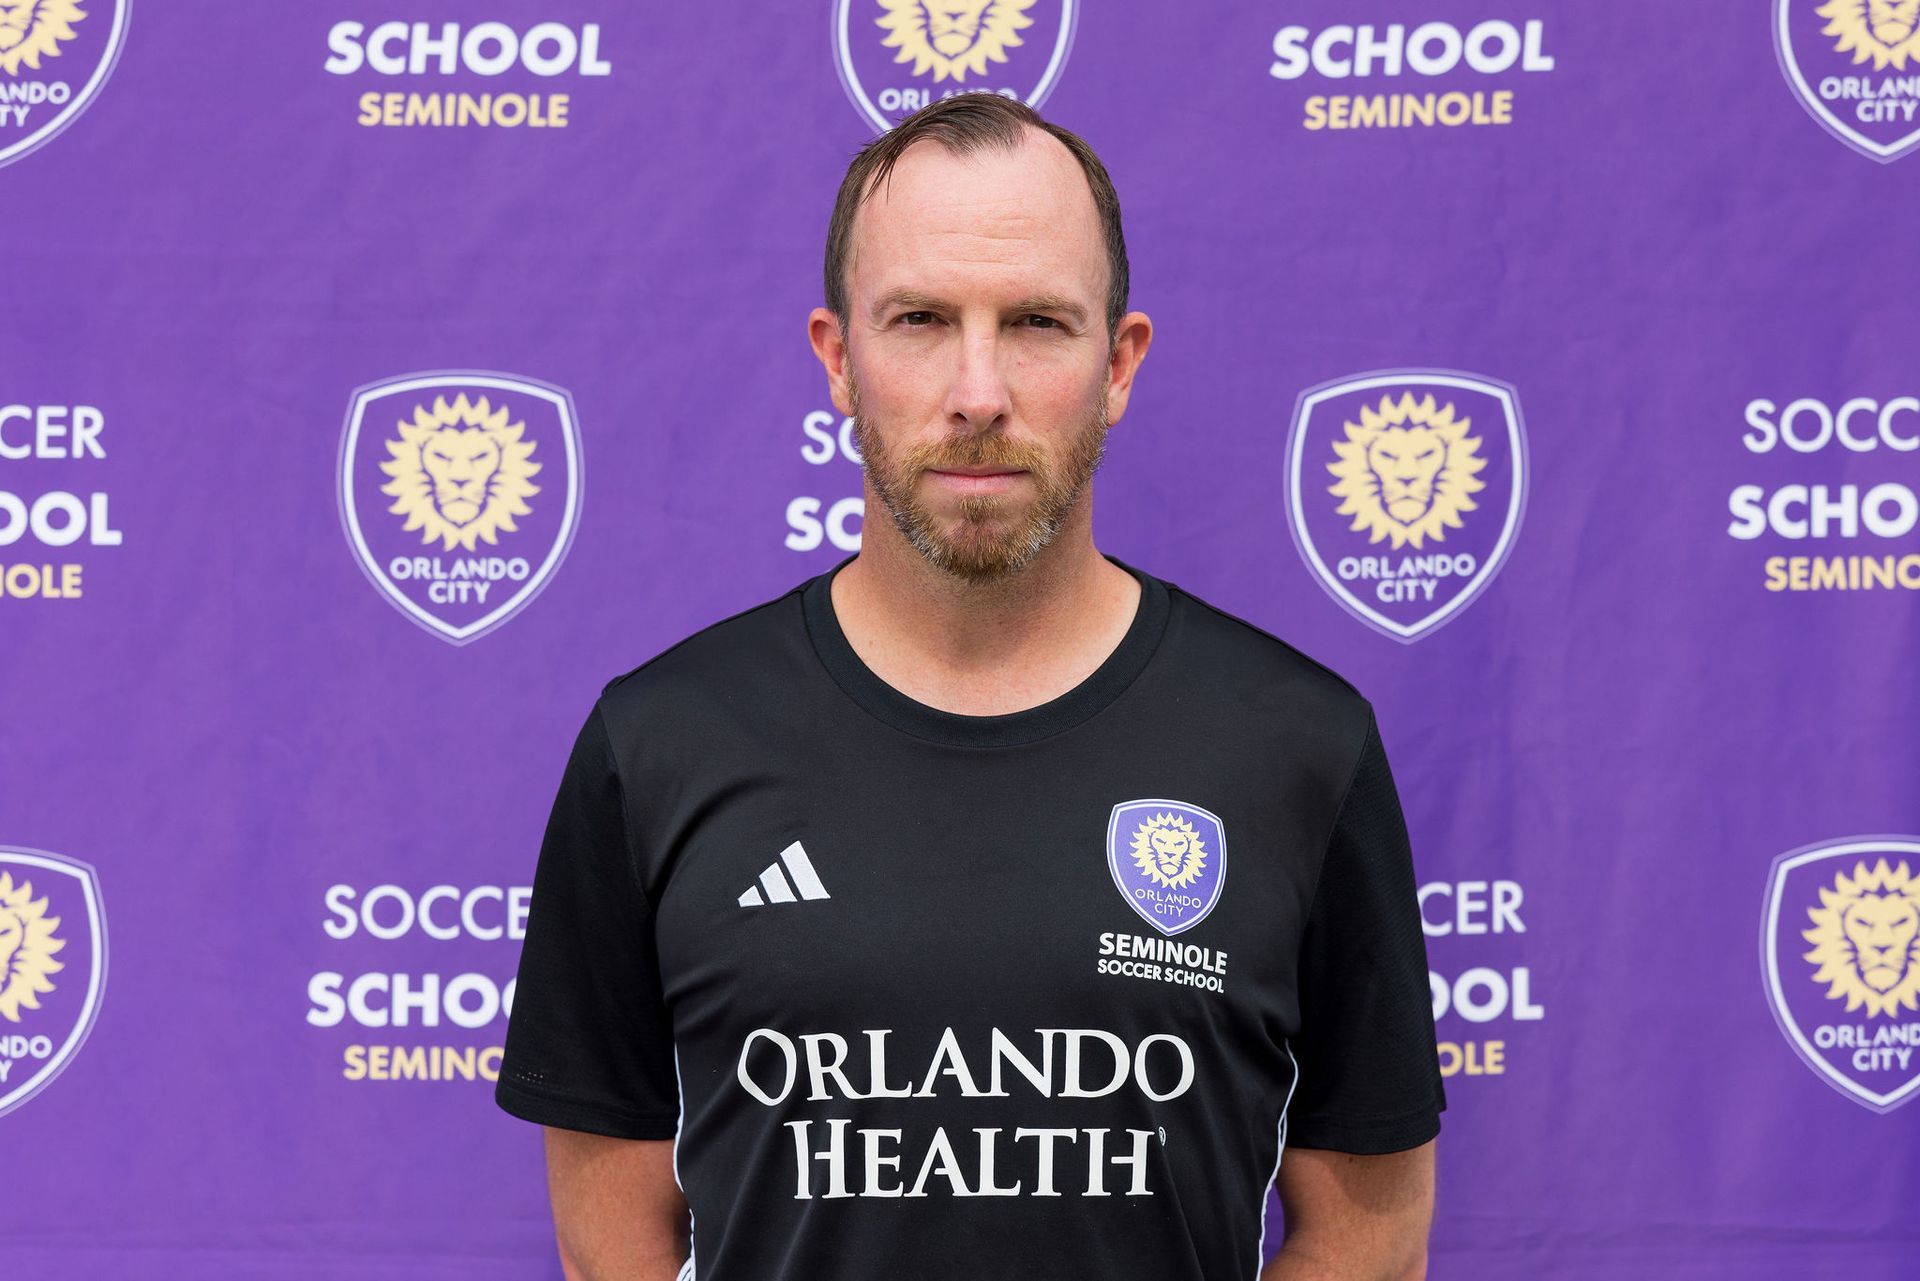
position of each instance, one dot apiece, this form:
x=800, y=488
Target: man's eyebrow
x=914, y=300
x=911, y=299
x=1055, y=303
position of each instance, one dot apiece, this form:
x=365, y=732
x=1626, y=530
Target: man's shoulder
x=1248, y=656
x=722, y=658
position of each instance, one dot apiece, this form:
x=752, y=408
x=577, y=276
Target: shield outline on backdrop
x=856, y=92
x=72, y=109
x=365, y=395
x=1846, y=847
x=1884, y=152
x=42, y=861
x=1509, y=397
x=1114, y=857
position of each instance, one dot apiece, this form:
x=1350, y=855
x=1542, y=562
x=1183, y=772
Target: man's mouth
x=975, y=480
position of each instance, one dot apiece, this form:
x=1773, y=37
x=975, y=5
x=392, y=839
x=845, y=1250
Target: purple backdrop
x=1648, y=689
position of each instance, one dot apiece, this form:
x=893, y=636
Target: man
x=894, y=920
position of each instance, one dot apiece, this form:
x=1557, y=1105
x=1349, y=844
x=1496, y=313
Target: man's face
x=978, y=350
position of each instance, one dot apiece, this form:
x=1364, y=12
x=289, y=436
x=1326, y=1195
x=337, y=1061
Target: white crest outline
x=1113, y=860
x=1783, y=52
x=1509, y=397
x=400, y=384
x=71, y=110
x=1844, y=847
x=58, y=1062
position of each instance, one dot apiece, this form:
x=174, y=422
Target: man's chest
x=1115, y=892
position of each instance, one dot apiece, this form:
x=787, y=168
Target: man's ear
x=1130, y=343
x=830, y=345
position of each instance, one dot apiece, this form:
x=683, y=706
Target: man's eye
x=918, y=318
x=1044, y=322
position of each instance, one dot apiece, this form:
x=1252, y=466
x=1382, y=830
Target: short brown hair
x=964, y=124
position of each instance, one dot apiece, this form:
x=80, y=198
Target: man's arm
x=1354, y=1218
x=618, y=1212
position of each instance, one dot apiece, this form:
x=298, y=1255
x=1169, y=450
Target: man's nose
x=978, y=397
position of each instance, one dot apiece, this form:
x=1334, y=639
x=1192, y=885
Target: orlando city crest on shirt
x=1855, y=66
x=53, y=966
x=54, y=57
x=1168, y=859
x=1840, y=956
x=1404, y=492
x=460, y=494
x=897, y=56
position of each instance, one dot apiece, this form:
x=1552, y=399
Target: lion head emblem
x=1169, y=850
x=461, y=472
x=33, y=29
x=1887, y=31
x=1866, y=939
x=1406, y=470
x=955, y=38
x=27, y=945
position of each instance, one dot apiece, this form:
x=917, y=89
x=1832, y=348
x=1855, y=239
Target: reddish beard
x=994, y=534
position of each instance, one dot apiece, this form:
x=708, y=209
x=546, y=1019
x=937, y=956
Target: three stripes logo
x=776, y=885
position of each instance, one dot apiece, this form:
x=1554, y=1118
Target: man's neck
x=984, y=648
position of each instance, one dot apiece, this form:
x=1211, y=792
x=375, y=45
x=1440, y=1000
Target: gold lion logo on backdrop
x=33, y=29
x=1866, y=937
x=955, y=38
x=1406, y=470
x=1168, y=849
x=27, y=945
x=461, y=472
x=1887, y=31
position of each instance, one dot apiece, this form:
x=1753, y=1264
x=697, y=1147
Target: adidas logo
x=800, y=867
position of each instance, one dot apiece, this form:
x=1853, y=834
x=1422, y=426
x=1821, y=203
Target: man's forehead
x=1027, y=204
x=1038, y=158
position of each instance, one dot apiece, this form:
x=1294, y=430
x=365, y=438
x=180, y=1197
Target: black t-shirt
x=921, y=995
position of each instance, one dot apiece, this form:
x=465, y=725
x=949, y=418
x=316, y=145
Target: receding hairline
x=967, y=149
x=966, y=124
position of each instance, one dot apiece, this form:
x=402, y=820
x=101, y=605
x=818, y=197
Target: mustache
x=973, y=450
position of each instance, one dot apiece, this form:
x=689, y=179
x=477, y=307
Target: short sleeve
x=1369, y=1071
x=589, y=1043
